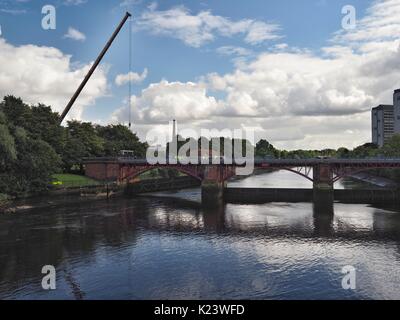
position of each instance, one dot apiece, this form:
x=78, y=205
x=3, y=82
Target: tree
x=392, y=147
x=343, y=153
x=8, y=152
x=367, y=150
x=31, y=170
x=82, y=141
x=36, y=162
x=26, y=161
x=119, y=137
x=265, y=149
x=72, y=155
x=40, y=122
x=15, y=110
x=44, y=124
x=87, y=134
x=34, y=146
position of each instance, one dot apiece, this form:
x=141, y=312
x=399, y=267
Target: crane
x=93, y=68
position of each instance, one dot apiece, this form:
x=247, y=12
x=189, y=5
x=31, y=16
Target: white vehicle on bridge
x=127, y=153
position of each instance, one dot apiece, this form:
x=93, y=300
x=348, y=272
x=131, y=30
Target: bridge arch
x=305, y=174
x=299, y=173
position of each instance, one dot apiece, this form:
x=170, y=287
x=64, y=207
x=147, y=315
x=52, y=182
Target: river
x=166, y=246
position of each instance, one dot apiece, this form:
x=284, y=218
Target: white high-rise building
x=382, y=124
x=386, y=120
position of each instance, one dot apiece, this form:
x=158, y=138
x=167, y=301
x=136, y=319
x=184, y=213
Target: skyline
x=207, y=65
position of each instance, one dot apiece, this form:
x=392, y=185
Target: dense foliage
x=33, y=146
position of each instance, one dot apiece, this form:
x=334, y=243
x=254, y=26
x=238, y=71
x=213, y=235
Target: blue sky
x=235, y=38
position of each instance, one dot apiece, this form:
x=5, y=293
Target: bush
x=4, y=199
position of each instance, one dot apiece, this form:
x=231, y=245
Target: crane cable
x=130, y=73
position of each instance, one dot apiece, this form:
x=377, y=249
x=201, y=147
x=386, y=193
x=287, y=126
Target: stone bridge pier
x=214, y=183
x=323, y=184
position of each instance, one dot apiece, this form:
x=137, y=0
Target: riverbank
x=64, y=194
x=375, y=180
x=60, y=197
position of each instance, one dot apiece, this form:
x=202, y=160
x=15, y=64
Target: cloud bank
x=195, y=30
x=296, y=98
x=45, y=75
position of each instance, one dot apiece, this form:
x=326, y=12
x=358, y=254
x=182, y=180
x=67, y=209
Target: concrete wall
x=260, y=195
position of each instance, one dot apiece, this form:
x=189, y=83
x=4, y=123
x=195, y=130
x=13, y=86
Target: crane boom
x=93, y=68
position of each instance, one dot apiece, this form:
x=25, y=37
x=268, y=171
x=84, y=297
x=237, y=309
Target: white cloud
x=14, y=11
x=381, y=23
x=197, y=30
x=75, y=34
x=74, y=2
x=161, y=101
x=232, y=50
x=129, y=3
x=134, y=77
x=305, y=84
x=259, y=32
x=13, y=7
x=45, y=75
x=298, y=98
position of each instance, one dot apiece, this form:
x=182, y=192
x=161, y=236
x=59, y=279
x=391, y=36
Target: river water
x=166, y=246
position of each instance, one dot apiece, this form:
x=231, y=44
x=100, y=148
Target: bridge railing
x=256, y=161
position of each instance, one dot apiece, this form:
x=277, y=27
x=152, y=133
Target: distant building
x=382, y=124
x=396, y=104
x=386, y=120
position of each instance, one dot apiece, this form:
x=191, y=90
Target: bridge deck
x=259, y=162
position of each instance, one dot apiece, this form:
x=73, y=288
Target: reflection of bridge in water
x=213, y=176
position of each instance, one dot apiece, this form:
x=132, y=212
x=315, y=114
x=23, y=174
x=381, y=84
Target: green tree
x=72, y=155
x=392, y=147
x=8, y=153
x=44, y=124
x=32, y=169
x=365, y=151
x=343, y=153
x=15, y=110
x=265, y=149
x=87, y=134
x=119, y=137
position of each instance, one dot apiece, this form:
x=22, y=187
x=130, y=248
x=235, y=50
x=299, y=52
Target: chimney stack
x=174, y=132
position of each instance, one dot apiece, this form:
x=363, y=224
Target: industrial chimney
x=174, y=132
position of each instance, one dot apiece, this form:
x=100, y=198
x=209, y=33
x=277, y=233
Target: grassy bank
x=72, y=180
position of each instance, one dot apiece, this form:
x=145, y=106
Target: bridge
x=323, y=173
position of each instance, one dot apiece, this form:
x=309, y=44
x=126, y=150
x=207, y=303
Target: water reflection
x=171, y=248
x=286, y=179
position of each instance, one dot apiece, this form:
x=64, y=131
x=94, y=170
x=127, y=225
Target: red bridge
x=323, y=173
